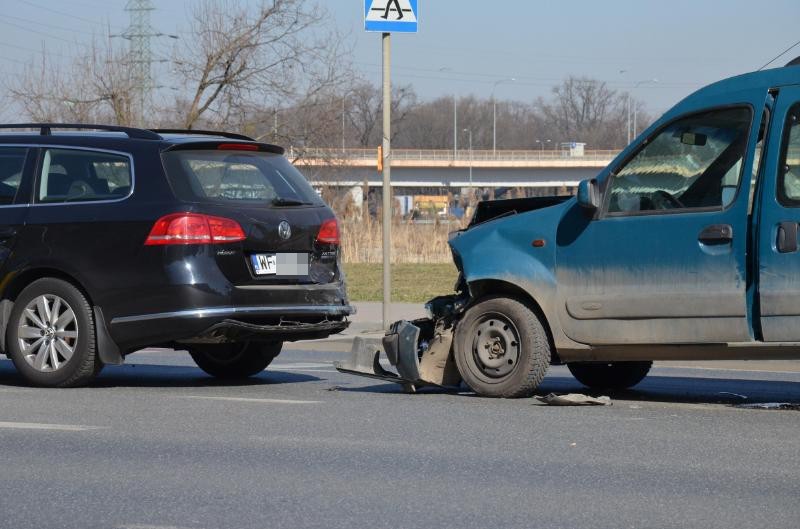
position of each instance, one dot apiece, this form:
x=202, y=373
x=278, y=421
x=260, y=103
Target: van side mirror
x=589, y=195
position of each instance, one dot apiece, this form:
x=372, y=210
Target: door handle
x=787, y=237
x=716, y=234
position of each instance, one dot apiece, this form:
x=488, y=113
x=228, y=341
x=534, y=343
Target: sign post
x=386, y=17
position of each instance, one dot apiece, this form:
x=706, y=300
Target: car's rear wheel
x=609, y=375
x=234, y=360
x=51, y=336
x=501, y=348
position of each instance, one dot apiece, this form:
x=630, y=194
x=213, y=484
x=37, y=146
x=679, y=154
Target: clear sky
x=467, y=46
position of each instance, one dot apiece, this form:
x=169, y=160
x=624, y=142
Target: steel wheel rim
x=495, y=345
x=47, y=333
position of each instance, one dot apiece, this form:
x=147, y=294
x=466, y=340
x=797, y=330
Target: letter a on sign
x=391, y=16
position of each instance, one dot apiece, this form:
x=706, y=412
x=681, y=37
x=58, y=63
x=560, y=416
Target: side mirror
x=589, y=195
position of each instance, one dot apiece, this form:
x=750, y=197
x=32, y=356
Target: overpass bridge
x=424, y=169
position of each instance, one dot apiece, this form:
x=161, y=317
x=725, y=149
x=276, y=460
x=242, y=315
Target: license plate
x=280, y=264
x=265, y=263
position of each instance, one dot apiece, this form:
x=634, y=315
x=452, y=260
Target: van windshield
x=223, y=176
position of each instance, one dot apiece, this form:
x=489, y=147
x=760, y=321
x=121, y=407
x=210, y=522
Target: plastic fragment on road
x=769, y=406
x=574, y=399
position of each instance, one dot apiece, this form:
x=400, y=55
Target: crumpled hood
x=492, y=209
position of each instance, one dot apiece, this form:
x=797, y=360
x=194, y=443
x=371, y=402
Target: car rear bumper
x=220, y=324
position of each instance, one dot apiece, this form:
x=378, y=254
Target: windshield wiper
x=289, y=202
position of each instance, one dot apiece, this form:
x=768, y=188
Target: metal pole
x=470, y=162
x=455, y=126
x=494, y=125
x=342, y=124
x=629, y=118
x=387, y=172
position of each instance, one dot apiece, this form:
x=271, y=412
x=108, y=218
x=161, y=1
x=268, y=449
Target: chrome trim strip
x=338, y=310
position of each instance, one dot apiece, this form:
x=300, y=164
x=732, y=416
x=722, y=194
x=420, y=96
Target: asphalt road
x=156, y=444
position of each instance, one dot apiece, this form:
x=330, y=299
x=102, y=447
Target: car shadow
x=655, y=388
x=691, y=390
x=151, y=376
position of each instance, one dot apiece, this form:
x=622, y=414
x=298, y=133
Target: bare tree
x=237, y=55
x=366, y=110
x=584, y=109
x=95, y=87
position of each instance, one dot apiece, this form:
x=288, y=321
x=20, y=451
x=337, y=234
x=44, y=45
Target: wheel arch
x=108, y=350
x=16, y=284
x=482, y=288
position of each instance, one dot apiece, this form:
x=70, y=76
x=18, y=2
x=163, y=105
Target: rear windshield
x=221, y=176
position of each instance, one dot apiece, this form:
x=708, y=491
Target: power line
x=38, y=23
x=488, y=78
x=33, y=50
x=62, y=13
x=48, y=35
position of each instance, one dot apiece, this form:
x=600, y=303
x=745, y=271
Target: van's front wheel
x=501, y=348
x=234, y=360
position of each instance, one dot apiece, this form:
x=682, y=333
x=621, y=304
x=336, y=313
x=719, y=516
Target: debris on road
x=769, y=406
x=574, y=399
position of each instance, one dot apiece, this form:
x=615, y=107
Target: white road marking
x=246, y=399
x=303, y=370
x=300, y=365
x=138, y=526
x=727, y=369
x=42, y=426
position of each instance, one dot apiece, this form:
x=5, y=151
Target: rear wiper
x=289, y=202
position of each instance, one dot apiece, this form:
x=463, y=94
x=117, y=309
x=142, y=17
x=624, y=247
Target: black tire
x=609, y=375
x=83, y=364
x=504, y=369
x=234, y=360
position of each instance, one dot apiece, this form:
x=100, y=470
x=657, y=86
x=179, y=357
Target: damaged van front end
x=506, y=252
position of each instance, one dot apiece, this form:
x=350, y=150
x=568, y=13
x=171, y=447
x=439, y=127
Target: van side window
x=789, y=169
x=694, y=162
x=72, y=175
x=12, y=160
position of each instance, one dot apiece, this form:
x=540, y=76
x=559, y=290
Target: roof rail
x=45, y=129
x=230, y=135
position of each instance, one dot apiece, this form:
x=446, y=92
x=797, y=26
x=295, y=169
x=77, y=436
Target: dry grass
x=411, y=243
x=411, y=283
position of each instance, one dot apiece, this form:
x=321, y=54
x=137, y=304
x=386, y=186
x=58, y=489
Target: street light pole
x=455, y=127
x=636, y=109
x=542, y=142
x=343, y=147
x=494, y=113
x=469, y=132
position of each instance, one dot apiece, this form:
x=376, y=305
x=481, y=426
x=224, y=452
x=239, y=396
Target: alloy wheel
x=47, y=333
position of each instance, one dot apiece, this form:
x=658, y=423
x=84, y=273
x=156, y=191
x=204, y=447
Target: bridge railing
x=462, y=155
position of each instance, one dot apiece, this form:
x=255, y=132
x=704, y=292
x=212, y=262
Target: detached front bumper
x=222, y=324
x=420, y=351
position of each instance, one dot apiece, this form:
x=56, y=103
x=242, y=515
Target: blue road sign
x=391, y=16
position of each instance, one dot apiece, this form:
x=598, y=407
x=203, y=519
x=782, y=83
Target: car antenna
x=779, y=56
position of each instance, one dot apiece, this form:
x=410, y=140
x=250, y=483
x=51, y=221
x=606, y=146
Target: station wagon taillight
x=193, y=228
x=328, y=232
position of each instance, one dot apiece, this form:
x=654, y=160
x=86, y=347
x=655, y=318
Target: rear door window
x=71, y=175
x=226, y=176
x=789, y=175
x=12, y=161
